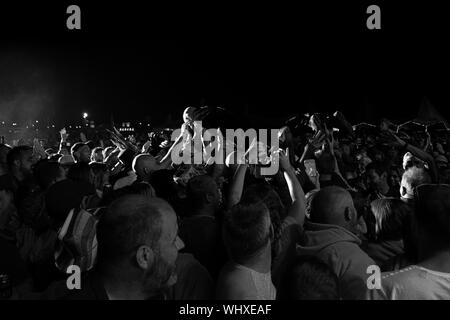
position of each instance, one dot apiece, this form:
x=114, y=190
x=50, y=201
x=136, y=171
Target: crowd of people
x=139, y=226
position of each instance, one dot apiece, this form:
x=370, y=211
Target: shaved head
x=138, y=242
x=332, y=205
x=202, y=190
x=144, y=164
x=130, y=221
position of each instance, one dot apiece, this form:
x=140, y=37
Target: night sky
x=136, y=62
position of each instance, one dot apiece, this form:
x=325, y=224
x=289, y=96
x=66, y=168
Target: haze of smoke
x=26, y=106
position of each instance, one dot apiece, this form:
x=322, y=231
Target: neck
x=119, y=288
x=261, y=261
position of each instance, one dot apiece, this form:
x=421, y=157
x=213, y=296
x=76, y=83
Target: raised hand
x=252, y=151
x=64, y=134
x=38, y=149
x=83, y=137
x=118, y=144
x=330, y=140
x=283, y=157
x=317, y=140
x=285, y=134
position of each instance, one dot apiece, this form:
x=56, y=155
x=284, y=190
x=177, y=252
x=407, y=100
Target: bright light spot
x=85, y=115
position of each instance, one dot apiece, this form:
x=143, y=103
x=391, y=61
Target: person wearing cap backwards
x=81, y=152
x=429, y=279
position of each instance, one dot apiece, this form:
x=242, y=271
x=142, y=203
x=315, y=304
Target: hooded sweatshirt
x=339, y=249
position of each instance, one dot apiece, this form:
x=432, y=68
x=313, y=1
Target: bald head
x=130, y=221
x=203, y=190
x=144, y=164
x=333, y=205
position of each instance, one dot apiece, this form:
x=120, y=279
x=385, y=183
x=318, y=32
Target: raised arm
x=237, y=185
x=311, y=146
x=166, y=161
x=330, y=145
x=63, y=142
x=38, y=150
x=298, y=206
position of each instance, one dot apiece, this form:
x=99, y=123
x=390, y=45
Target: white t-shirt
x=413, y=283
x=238, y=282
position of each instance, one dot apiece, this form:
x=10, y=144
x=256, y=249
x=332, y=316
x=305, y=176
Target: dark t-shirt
x=202, y=237
x=9, y=182
x=92, y=289
x=11, y=263
x=382, y=252
x=291, y=233
x=193, y=282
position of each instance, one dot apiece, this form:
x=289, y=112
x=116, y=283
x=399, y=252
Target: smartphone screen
x=310, y=166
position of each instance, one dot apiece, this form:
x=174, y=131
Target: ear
x=209, y=197
x=349, y=214
x=403, y=191
x=144, y=257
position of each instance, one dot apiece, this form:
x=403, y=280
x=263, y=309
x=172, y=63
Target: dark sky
x=276, y=60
